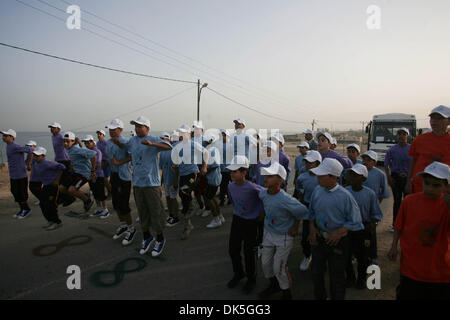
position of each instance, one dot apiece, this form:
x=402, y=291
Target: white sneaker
x=104, y=214
x=305, y=263
x=137, y=219
x=206, y=213
x=215, y=223
x=222, y=219
x=198, y=211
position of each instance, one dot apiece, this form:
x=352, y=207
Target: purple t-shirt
x=285, y=161
x=48, y=170
x=245, y=198
x=16, y=160
x=346, y=162
x=58, y=147
x=99, y=171
x=258, y=178
x=101, y=145
x=397, y=159
x=34, y=177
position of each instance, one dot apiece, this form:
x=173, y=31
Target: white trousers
x=274, y=257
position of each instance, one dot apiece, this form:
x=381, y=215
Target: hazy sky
x=297, y=60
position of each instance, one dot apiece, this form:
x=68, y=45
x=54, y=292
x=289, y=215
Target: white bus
x=382, y=131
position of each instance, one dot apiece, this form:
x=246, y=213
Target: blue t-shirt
x=245, y=199
x=306, y=183
x=165, y=163
x=300, y=164
x=377, y=181
x=187, y=155
x=333, y=209
x=80, y=159
x=282, y=210
x=368, y=204
x=145, y=161
x=114, y=151
x=214, y=177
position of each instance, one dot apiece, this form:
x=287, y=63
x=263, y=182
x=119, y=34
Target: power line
x=94, y=65
x=253, y=109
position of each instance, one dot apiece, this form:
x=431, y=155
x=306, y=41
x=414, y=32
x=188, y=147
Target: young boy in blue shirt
x=306, y=184
x=333, y=212
x=370, y=214
x=283, y=214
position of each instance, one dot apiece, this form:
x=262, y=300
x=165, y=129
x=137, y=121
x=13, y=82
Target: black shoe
x=274, y=287
x=88, y=204
x=286, y=295
x=361, y=284
x=234, y=282
x=249, y=286
x=350, y=282
x=69, y=201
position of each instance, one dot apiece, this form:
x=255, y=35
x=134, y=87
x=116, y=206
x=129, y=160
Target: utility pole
x=312, y=124
x=199, y=91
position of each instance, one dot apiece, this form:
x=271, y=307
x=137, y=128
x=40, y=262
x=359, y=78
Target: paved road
x=197, y=268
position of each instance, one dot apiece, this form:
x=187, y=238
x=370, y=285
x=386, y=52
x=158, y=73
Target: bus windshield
x=386, y=132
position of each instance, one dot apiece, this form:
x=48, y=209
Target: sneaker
x=215, y=223
x=249, y=286
x=96, y=213
x=305, y=263
x=88, y=204
x=47, y=225
x=392, y=229
x=198, y=211
x=24, y=214
x=17, y=214
x=187, y=231
x=104, y=214
x=171, y=221
x=206, y=213
x=53, y=226
x=159, y=246
x=129, y=236
x=222, y=219
x=146, y=245
x=260, y=249
x=234, y=282
x=120, y=231
x=137, y=219
x=69, y=201
x=37, y=203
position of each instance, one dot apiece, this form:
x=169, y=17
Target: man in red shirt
x=429, y=147
x=423, y=228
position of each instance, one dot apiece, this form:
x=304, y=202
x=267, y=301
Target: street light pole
x=199, y=91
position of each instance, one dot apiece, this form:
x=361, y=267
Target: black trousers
x=120, y=192
x=410, y=289
x=306, y=246
x=47, y=201
x=63, y=197
x=35, y=188
x=359, y=248
x=226, y=178
x=398, y=191
x=335, y=258
x=188, y=184
x=244, y=232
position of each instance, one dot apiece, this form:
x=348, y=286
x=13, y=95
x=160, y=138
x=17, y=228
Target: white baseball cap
x=198, y=125
x=54, y=125
x=88, y=138
x=328, y=166
x=225, y=131
x=184, y=129
x=279, y=137
x=143, y=121
x=403, y=129
x=39, y=151
x=238, y=161
x=354, y=145
x=270, y=144
x=326, y=135
x=31, y=143
x=69, y=135
x=308, y=131
x=438, y=170
x=334, y=141
x=164, y=135
x=371, y=154
x=101, y=131
x=9, y=132
x=313, y=156
x=114, y=124
x=240, y=121
x=442, y=110
x=303, y=144
x=275, y=169
x=360, y=169
x=209, y=138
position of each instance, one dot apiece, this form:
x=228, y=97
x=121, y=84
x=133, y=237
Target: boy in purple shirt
x=396, y=166
x=102, y=146
x=35, y=184
x=50, y=173
x=97, y=183
x=17, y=172
x=324, y=143
x=247, y=209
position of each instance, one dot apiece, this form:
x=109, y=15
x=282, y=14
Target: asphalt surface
x=34, y=262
